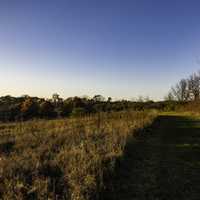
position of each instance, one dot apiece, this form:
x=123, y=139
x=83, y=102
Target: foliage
x=29, y=108
x=47, y=110
x=26, y=107
x=78, y=112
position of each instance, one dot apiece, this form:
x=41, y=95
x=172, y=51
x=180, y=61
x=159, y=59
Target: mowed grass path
x=162, y=163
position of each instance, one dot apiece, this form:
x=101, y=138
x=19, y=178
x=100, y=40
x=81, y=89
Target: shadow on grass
x=128, y=169
x=161, y=162
x=6, y=147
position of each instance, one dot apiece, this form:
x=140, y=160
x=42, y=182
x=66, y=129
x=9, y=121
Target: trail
x=162, y=165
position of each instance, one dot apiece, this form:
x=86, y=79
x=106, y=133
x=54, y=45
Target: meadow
x=123, y=120
x=162, y=163
x=71, y=158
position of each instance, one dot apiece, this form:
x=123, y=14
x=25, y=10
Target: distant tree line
x=186, y=89
x=26, y=107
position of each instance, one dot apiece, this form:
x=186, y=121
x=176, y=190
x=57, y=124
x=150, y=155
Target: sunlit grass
x=64, y=159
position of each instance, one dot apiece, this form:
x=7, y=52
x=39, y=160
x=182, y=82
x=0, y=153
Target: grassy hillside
x=64, y=159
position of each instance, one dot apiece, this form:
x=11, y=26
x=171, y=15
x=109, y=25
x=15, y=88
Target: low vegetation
x=72, y=149
x=26, y=108
x=163, y=163
x=67, y=158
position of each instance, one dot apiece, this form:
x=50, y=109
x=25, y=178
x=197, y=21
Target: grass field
x=113, y=156
x=64, y=159
x=162, y=164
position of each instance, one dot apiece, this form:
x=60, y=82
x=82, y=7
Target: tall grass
x=64, y=159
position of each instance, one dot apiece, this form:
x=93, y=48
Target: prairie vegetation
x=74, y=148
x=163, y=163
x=66, y=158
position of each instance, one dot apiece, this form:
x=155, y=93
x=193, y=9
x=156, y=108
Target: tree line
x=26, y=107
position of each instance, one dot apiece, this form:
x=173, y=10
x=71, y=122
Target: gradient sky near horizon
x=117, y=48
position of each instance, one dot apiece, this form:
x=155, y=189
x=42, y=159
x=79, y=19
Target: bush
x=78, y=112
x=47, y=110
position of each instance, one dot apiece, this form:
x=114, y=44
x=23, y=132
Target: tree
x=57, y=101
x=47, y=110
x=187, y=89
x=180, y=91
x=65, y=109
x=98, y=98
x=169, y=97
x=109, y=99
x=14, y=112
x=194, y=86
x=78, y=102
x=29, y=109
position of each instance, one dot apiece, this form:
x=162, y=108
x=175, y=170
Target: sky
x=117, y=48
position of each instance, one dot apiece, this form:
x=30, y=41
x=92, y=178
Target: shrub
x=78, y=112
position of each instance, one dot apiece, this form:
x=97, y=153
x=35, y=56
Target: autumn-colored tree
x=29, y=109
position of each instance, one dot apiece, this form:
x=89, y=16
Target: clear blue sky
x=118, y=48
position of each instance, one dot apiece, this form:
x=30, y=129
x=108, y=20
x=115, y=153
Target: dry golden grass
x=64, y=159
